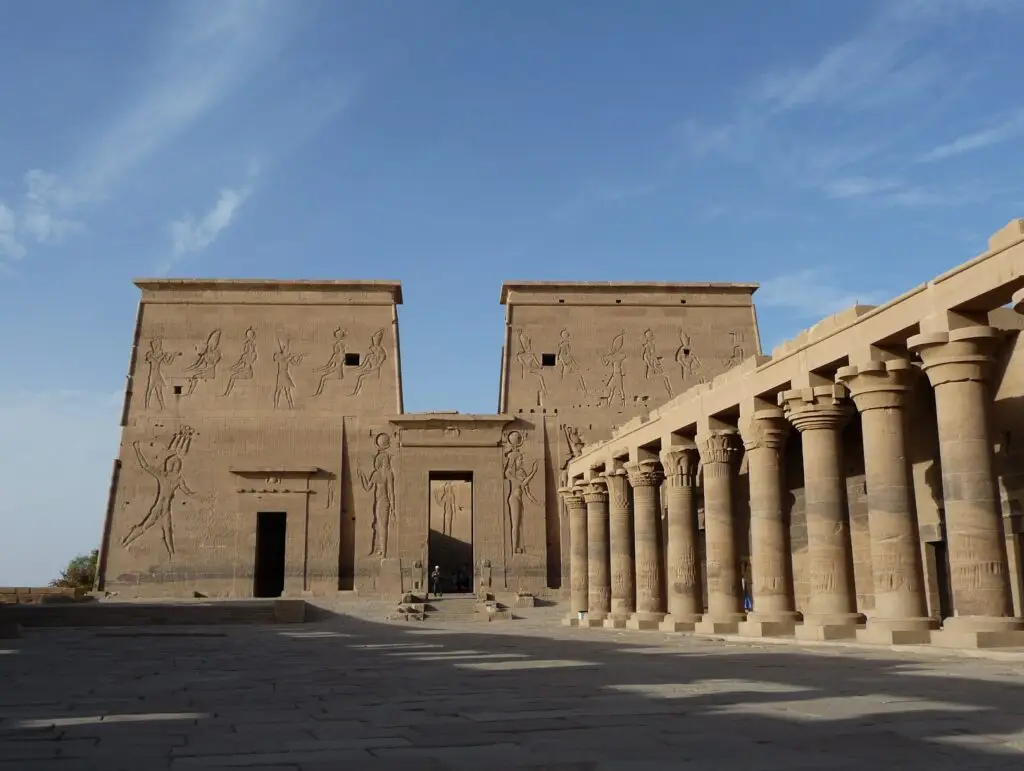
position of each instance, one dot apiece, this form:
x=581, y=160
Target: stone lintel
x=966, y=353
x=645, y=473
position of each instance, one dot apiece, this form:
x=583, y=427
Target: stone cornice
x=957, y=355
x=765, y=429
x=680, y=465
x=879, y=384
x=719, y=446
x=818, y=408
x=646, y=473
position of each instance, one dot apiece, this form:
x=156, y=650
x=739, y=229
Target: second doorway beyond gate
x=450, y=544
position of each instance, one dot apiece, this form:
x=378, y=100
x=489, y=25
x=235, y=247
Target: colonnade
x=617, y=572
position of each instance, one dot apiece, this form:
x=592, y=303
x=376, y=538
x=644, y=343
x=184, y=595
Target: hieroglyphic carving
x=381, y=482
x=243, y=368
x=284, y=386
x=169, y=476
x=690, y=365
x=371, y=365
x=738, y=352
x=567, y=361
x=156, y=358
x=529, y=364
x=519, y=479
x=445, y=498
x=205, y=366
x=614, y=385
x=653, y=368
x=334, y=369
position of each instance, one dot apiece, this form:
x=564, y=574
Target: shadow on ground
x=345, y=693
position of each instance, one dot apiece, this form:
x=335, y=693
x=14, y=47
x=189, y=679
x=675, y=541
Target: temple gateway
x=645, y=459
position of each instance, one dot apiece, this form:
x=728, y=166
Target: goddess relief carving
x=653, y=368
x=614, y=385
x=285, y=384
x=375, y=358
x=689, y=363
x=567, y=361
x=169, y=476
x=380, y=482
x=519, y=479
x=334, y=369
x=529, y=364
x=205, y=366
x=445, y=498
x=156, y=358
x=243, y=368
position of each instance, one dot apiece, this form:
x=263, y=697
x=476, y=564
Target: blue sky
x=831, y=151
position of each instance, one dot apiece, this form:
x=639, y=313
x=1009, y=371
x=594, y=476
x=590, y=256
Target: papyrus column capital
x=573, y=497
x=595, y=491
x=680, y=465
x=817, y=408
x=960, y=354
x=877, y=385
x=645, y=473
x=720, y=446
x=765, y=429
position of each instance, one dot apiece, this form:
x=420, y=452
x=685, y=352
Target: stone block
x=717, y=627
x=671, y=624
x=290, y=611
x=823, y=632
x=571, y=620
x=614, y=622
x=956, y=638
x=882, y=636
x=525, y=601
x=781, y=628
x=644, y=622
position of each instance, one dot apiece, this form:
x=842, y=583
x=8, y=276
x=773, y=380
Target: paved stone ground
x=350, y=693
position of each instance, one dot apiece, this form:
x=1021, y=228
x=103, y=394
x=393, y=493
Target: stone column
x=620, y=511
x=573, y=497
x=774, y=613
x=645, y=478
x=685, y=602
x=819, y=414
x=958, y=363
x=599, y=586
x=881, y=390
x=719, y=451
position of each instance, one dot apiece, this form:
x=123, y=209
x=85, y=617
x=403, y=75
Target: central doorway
x=268, y=570
x=450, y=543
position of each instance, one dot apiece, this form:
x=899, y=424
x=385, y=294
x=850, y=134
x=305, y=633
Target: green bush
x=80, y=572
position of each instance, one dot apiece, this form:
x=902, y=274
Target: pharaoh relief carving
x=567, y=361
x=738, y=354
x=243, y=368
x=574, y=441
x=334, y=369
x=156, y=359
x=518, y=478
x=371, y=365
x=204, y=368
x=529, y=364
x=284, y=387
x=168, y=473
x=653, y=368
x=381, y=483
x=445, y=498
x=690, y=366
x=614, y=384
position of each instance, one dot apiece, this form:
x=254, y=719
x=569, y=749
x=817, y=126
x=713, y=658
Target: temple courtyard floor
x=354, y=692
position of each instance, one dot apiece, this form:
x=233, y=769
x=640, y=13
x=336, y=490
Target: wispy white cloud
x=10, y=245
x=1006, y=129
x=812, y=294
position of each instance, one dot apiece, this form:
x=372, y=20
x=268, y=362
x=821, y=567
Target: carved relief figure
x=529, y=364
x=738, y=354
x=375, y=358
x=169, y=480
x=575, y=442
x=519, y=479
x=689, y=363
x=334, y=369
x=243, y=368
x=156, y=358
x=285, y=385
x=614, y=385
x=652, y=361
x=445, y=498
x=205, y=365
x=381, y=482
x=567, y=362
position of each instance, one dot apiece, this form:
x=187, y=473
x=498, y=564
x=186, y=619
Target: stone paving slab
x=351, y=693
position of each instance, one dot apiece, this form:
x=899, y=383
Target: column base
x=644, y=620
x=573, y=619
x=594, y=620
x=979, y=632
x=770, y=624
x=615, y=622
x=897, y=631
x=679, y=623
x=719, y=623
x=831, y=626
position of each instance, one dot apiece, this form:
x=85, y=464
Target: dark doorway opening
x=940, y=559
x=268, y=572
x=450, y=543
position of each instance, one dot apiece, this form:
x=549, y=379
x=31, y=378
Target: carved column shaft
x=820, y=414
x=719, y=451
x=645, y=478
x=881, y=391
x=685, y=602
x=599, y=589
x=770, y=561
x=621, y=536
x=578, y=548
x=957, y=364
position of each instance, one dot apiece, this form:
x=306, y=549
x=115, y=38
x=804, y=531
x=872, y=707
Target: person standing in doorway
x=435, y=581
